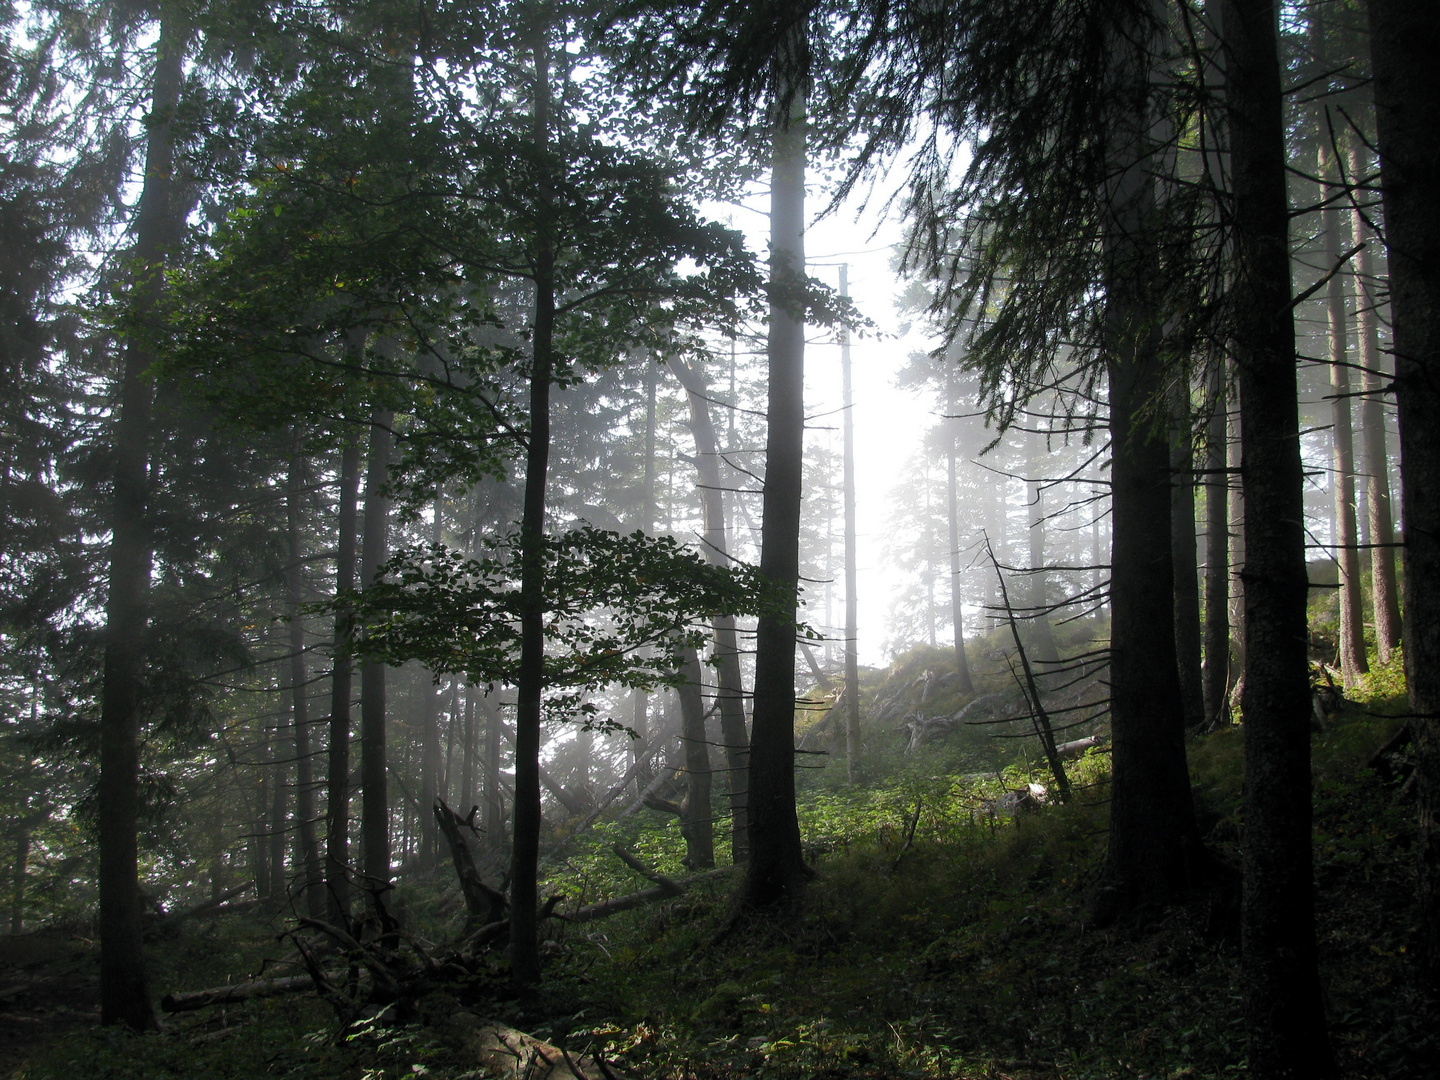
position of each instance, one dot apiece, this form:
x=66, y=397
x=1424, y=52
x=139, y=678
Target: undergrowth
x=938, y=940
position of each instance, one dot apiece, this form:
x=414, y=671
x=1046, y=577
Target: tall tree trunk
x=1284, y=1016
x=493, y=811
x=852, y=575
x=465, y=798
x=1217, y=560
x=640, y=721
x=279, y=804
x=17, y=879
x=963, y=682
x=776, y=872
x=730, y=692
x=1182, y=556
x=1342, y=461
x=525, y=853
x=309, y=849
x=1154, y=855
x=374, y=794
x=124, y=995
x=1385, y=591
x=337, y=766
x=696, y=819
x=1404, y=41
x=1237, y=549
x=430, y=763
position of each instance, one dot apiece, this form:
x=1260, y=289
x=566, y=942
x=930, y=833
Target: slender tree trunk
x=1404, y=41
x=1237, y=550
x=452, y=728
x=430, y=762
x=465, y=799
x=1342, y=462
x=337, y=780
x=640, y=721
x=1217, y=561
x=1182, y=556
x=963, y=683
x=275, y=826
x=124, y=995
x=1282, y=1003
x=374, y=794
x=493, y=813
x=776, y=872
x=259, y=833
x=730, y=692
x=1376, y=462
x=1154, y=855
x=309, y=848
x=696, y=818
x=525, y=854
x=852, y=593
x=17, y=879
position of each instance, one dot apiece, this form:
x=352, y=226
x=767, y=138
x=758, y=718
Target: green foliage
x=620, y=610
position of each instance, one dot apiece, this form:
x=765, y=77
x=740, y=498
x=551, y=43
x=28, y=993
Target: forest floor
x=958, y=948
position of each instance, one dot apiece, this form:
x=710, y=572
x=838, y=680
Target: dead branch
x=1038, y=715
x=482, y=903
x=225, y=995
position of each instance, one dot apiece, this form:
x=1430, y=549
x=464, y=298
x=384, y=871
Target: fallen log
x=516, y=1054
x=605, y=908
x=224, y=995
x=1077, y=747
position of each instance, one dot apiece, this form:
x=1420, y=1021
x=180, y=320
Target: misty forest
x=694, y=540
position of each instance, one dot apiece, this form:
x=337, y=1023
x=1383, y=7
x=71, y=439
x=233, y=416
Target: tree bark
x=1183, y=544
x=525, y=852
x=430, y=761
x=1154, y=856
x=696, y=819
x=963, y=683
x=1237, y=548
x=337, y=780
x=1404, y=41
x=313, y=884
x=1217, y=561
x=776, y=872
x=1342, y=460
x=17, y=879
x=374, y=793
x=730, y=692
x=275, y=828
x=1385, y=591
x=1283, y=1011
x=124, y=995
x=852, y=592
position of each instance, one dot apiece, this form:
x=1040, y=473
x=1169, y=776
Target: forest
x=695, y=540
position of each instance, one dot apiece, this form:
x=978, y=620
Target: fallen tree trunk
x=641, y=762
x=517, y=1054
x=605, y=908
x=1077, y=747
x=224, y=995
